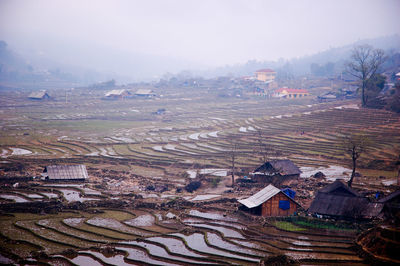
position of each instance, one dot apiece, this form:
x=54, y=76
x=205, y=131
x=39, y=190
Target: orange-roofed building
x=265, y=75
x=289, y=93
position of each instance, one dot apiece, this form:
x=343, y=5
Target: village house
x=117, y=94
x=265, y=75
x=39, y=95
x=276, y=172
x=270, y=202
x=65, y=172
x=145, y=93
x=288, y=93
x=337, y=200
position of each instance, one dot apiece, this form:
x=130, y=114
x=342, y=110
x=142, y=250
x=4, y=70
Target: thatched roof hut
x=337, y=200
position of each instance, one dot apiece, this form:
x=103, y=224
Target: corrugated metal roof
x=67, y=171
x=260, y=197
x=117, y=92
x=144, y=92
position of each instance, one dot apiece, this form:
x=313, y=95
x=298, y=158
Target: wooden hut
x=276, y=172
x=270, y=201
x=337, y=200
x=65, y=172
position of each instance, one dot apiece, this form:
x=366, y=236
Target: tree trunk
x=353, y=173
x=363, y=100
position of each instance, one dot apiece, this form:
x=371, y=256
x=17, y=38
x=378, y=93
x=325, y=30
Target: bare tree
x=354, y=146
x=364, y=63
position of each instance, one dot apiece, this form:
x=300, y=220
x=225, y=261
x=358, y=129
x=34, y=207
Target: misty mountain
x=333, y=59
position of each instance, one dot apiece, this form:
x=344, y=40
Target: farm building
x=327, y=97
x=270, y=201
x=117, y=94
x=65, y=172
x=276, y=172
x=145, y=93
x=337, y=200
x=39, y=95
x=265, y=75
x=288, y=93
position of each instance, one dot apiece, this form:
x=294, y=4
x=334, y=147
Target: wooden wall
x=271, y=207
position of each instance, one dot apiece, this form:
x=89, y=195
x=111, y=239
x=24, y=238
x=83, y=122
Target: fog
x=148, y=38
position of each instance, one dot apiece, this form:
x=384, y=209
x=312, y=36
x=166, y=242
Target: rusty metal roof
x=66, y=171
x=260, y=197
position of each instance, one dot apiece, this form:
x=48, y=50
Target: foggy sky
x=203, y=33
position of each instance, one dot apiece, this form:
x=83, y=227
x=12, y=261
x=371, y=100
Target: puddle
x=196, y=242
x=158, y=148
x=247, y=244
x=213, y=134
x=204, y=197
x=210, y=147
x=142, y=220
x=114, y=260
x=32, y=196
x=72, y=195
x=242, y=129
x=19, y=151
x=170, y=147
x=214, y=172
x=216, y=240
x=211, y=215
x=194, y=136
x=140, y=255
x=225, y=231
x=175, y=246
x=192, y=173
x=301, y=243
x=251, y=129
x=159, y=251
x=14, y=197
x=73, y=221
x=50, y=195
x=114, y=224
x=85, y=260
x=332, y=173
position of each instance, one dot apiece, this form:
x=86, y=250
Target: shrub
x=192, y=186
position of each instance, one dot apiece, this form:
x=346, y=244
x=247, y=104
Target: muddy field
x=136, y=158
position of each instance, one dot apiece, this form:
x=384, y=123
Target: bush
x=192, y=186
x=215, y=181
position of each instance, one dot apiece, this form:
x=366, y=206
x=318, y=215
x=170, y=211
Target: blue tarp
x=290, y=193
x=284, y=204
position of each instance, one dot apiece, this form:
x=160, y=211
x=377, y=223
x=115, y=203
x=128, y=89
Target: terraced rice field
x=196, y=134
x=202, y=237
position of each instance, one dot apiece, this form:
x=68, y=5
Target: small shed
x=65, y=172
x=391, y=205
x=270, y=201
x=337, y=200
x=276, y=172
x=145, y=93
x=117, y=94
x=39, y=95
